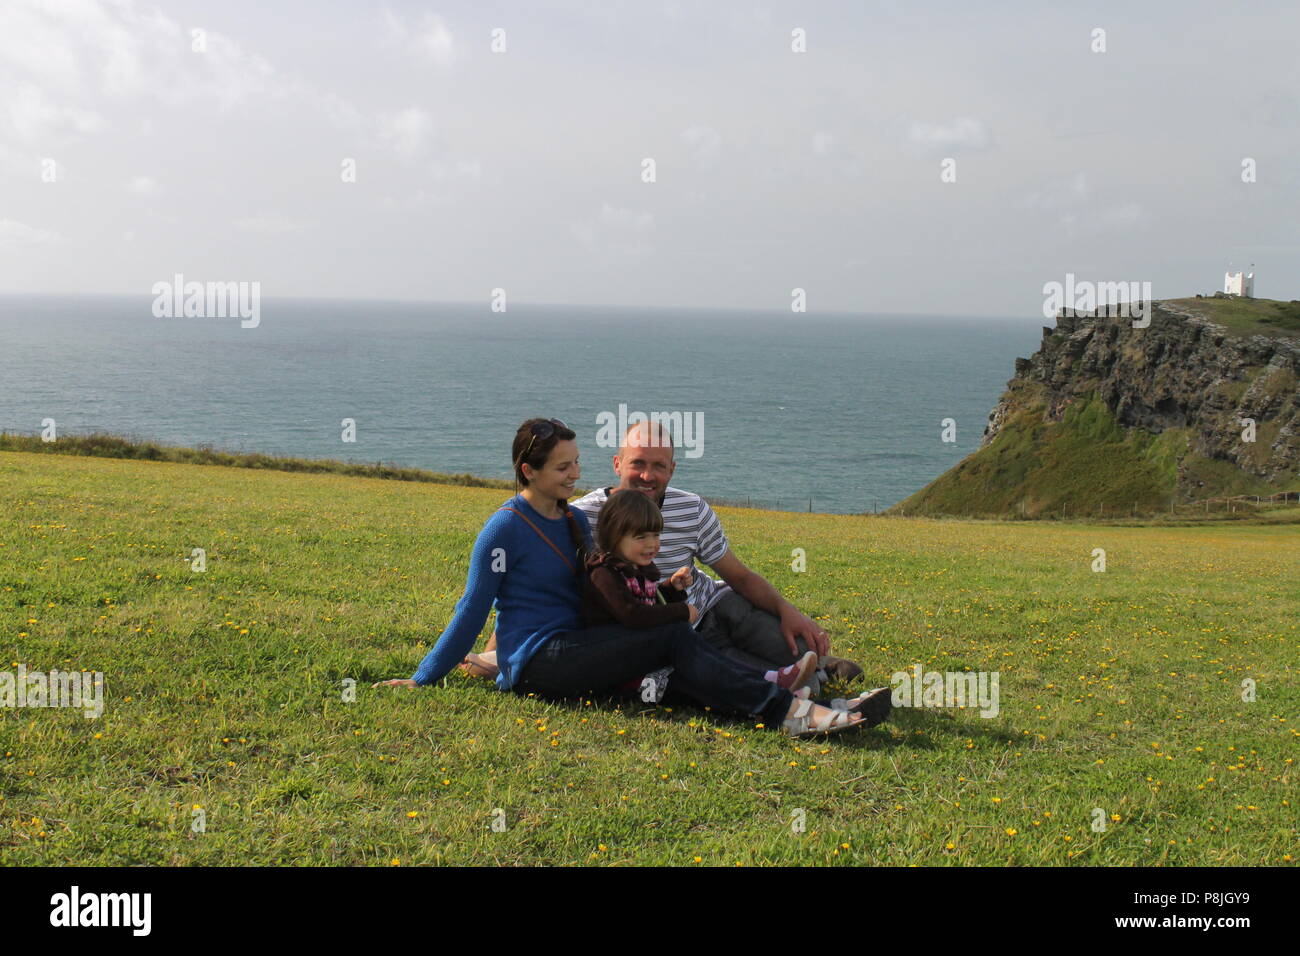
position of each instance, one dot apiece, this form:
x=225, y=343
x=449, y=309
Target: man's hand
x=796, y=624
x=682, y=578
x=758, y=591
x=695, y=612
x=396, y=682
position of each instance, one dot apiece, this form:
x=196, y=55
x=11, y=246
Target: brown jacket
x=615, y=591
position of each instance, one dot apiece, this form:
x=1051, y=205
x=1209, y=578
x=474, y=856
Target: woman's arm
x=481, y=588
x=626, y=609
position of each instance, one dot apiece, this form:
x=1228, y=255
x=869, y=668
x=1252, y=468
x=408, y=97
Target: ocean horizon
x=840, y=412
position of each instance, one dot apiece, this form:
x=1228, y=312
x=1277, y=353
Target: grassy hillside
x=1247, y=316
x=1120, y=690
x=1087, y=464
x=1083, y=464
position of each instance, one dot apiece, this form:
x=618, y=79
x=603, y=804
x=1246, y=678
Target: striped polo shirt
x=691, y=532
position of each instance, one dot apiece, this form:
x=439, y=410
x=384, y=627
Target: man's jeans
x=598, y=660
x=748, y=634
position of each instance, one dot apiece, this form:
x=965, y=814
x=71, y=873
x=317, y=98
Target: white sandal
x=873, y=706
x=800, y=724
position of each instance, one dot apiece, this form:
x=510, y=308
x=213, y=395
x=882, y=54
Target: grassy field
x=1120, y=691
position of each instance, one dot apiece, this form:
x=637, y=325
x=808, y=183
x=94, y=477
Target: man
x=743, y=615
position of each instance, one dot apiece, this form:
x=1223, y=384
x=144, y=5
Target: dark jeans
x=748, y=634
x=597, y=660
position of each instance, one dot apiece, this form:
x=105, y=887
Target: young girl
x=622, y=587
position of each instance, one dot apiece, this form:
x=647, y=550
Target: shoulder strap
x=549, y=542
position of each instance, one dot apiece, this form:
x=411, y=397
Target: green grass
x=1119, y=690
x=1247, y=316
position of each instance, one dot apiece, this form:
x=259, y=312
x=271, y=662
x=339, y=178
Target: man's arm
x=758, y=591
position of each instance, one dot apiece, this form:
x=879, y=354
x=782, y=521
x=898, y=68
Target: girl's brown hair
x=626, y=512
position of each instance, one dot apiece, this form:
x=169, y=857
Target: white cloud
x=1072, y=207
x=705, y=143
x=268, y=225
x=966, y=134
x=405, y=131
x=21, y=234
x=33, y=116
x=427, y=38
x=462, y=170
x=142, y=185
x=449, y=178
x=823, y=143
x=1059, y=195
x=67, y=66
x=618, y=231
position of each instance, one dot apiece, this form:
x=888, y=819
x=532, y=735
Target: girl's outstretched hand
x=396, y=682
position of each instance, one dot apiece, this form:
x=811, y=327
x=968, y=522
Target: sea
x=835, y=413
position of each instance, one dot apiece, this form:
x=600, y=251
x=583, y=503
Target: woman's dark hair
x=626, y=512
x=533, y=451
x=532, y=448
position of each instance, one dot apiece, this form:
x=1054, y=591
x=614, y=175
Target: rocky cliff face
x=1181, y=372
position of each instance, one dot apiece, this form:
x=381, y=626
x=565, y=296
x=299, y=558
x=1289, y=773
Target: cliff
x=1106, y=417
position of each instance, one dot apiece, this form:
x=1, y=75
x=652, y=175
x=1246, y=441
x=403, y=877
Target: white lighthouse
x=1235, y=283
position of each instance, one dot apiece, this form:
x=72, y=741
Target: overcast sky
x=774, y=169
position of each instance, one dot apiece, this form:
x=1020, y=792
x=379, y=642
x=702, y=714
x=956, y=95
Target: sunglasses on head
x=543, y=431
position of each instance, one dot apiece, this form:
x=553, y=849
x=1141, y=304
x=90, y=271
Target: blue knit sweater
x=535, y=592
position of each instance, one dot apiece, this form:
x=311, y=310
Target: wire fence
x=1113, y=510
x=1103, y=510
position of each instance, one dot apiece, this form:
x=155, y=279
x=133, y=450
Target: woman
x=528, y=560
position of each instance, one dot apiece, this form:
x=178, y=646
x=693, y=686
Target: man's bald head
x=647, y=434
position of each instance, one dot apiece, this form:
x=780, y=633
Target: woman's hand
x=395, y=682
x=682, y=578
x=695, y=614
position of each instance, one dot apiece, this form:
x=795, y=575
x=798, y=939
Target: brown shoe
x=837, y=668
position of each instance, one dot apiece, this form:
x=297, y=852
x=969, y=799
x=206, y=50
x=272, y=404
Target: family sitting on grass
x=630, y=614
